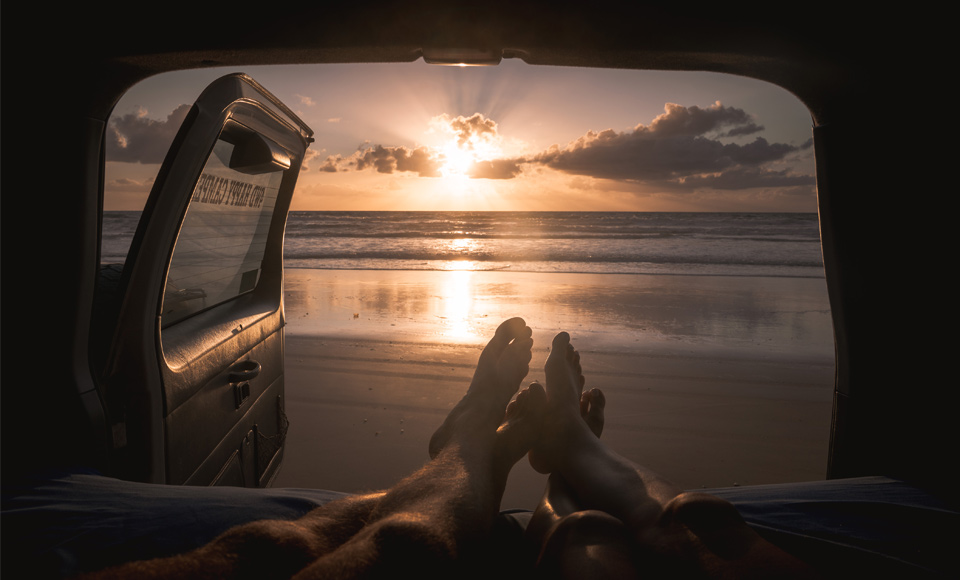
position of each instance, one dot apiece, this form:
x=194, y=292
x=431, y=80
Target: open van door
x=192, y=380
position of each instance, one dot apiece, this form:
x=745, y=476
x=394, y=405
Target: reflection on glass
x=220, y=247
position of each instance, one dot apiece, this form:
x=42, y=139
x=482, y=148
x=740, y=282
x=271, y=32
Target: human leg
x=261, y=549
x=437, y=522
x=600, y=478
x=568, y=541
x=559, y=501
x=432, y=521
x=494, y=383
x=686, y=534
x=438, y=519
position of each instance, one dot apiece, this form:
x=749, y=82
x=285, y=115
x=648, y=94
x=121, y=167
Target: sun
x=457, y=160
x=460, y=154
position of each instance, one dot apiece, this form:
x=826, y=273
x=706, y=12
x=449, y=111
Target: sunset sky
x=511, y=137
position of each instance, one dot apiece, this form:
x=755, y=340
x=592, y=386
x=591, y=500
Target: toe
x=510, y=329
x=506, y=332
x=592, y=404
x=523, y=347
x=560, y=343
x=536, y=394
x=558, y=352
x=531, y=401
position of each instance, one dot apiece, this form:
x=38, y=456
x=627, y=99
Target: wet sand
x=711, y=381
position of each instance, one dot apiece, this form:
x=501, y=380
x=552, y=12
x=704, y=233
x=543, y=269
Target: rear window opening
x=666, y=220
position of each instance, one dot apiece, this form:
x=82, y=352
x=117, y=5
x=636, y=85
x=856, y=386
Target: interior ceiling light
x=462, y=56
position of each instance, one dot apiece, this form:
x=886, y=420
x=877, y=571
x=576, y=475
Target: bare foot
x=566, y=418
x=559, y=500
x=521, y=428
x=592, y=404
x=503, y=364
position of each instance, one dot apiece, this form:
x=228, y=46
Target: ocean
x=704, y=244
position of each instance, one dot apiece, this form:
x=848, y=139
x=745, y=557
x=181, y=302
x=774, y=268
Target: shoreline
x=816, y=271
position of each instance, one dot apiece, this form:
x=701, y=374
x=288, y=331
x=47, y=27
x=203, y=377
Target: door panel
x=193, y=387
x=208, y=415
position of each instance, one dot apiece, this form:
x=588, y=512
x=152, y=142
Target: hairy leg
x=568, y=541
x=262, y=549
x=436, y=521
x=558, y=499
x=428, y=522
x=502, y=365
x=671, y=531
x=600, y=478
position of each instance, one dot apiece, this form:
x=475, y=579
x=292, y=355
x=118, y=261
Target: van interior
x=88, y=390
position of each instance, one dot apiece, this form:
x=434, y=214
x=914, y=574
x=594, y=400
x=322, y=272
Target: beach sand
x=711, y=381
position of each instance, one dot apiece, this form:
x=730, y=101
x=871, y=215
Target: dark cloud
x=678, y=120
x=746, y=178
x=470, y=133
x=331, y=163
x=495, y=169
x=134, y=138
x=679, y=150
x=746, y=129
x=470, y=130
x=759, y=151
x=420, y=160
x=390, y=159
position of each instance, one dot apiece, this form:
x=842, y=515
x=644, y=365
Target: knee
x=583, y=529
x=268, y=546
x=701, y=511
x=588, y=525
x=588, y=544
x=716, y=522
x=409, y=540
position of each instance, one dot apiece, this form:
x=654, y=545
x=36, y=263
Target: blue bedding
x=62, y=524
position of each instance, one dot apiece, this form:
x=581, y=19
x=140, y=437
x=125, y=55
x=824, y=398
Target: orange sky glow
x=511, y=137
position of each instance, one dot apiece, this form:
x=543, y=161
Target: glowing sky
x=511, y=137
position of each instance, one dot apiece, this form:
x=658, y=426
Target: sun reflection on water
x=458, y=305
x=462, y=246
x=462, y=266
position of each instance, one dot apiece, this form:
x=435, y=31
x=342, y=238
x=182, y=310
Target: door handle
x=244, y=371
x=240, y=377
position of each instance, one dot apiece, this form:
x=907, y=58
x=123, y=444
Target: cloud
x=127, y=183
x=679, y=150
x=475, y=134
x=683, y=149
x=495, y=169
x=305, y=100
x=420, y=160
x=678, y=120
x=331, y=164
x=470, y=132
x=307, y=158
x=134, y=138
x=745, y=178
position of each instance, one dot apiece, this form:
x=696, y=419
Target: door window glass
x=219, y=250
